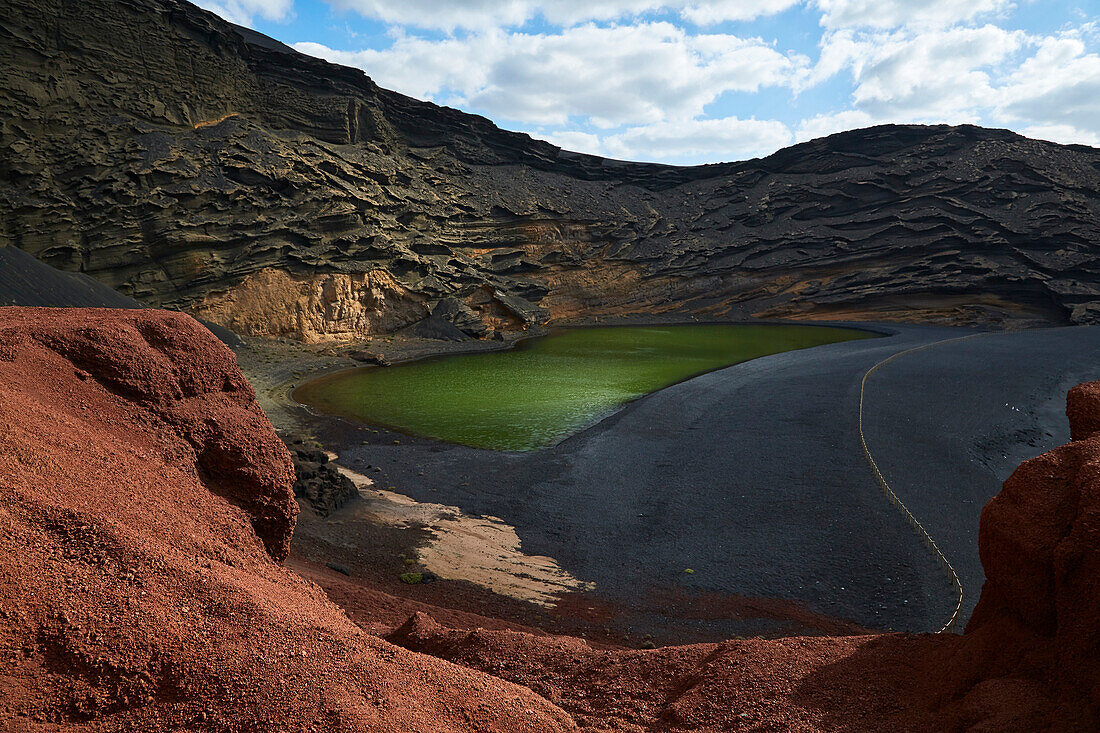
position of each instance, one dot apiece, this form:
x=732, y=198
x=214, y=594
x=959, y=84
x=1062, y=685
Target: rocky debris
x=323, y=487
x=437, y=329
x=143, y=497
x=196, y=165
x=368, y=357
x=460, y=316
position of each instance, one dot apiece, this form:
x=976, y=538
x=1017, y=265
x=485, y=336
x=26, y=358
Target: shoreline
x=580, y=615
x=522, y=342
x=316, y=361
x=481, y=483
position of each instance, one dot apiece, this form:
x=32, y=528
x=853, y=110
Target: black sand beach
x=753, y=478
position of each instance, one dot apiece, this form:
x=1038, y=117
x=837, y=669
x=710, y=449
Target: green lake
x=547, y=388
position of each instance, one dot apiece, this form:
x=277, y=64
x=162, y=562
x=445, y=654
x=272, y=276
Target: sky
x=690, y=81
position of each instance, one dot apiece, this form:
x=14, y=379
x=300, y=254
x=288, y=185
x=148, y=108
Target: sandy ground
x=751, y=477
x=477, y=549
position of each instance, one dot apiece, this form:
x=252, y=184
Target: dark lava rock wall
x=196, y=165
x=317, y=481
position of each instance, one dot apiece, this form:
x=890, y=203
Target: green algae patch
x=547, y=388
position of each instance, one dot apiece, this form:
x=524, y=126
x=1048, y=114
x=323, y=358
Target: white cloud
x=576, y=141
x=897, y=13
x=242, y=12
x=617, y=75
x=694, y=140
x=645, y=79
x=442, y=14
x=1046, y=86
x=485, y=14
x=718, y=11
x=1058, y=88
x=941, y=75
x=827, y=124
x=1064, y=134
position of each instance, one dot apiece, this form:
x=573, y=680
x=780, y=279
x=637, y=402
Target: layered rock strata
x=200, y=166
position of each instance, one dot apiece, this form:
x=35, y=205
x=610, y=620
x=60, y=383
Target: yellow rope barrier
x=898, y=504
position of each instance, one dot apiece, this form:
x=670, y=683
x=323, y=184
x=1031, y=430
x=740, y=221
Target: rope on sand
x=898, y=504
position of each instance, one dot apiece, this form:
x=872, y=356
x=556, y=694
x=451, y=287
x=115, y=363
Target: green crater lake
x=547, y=388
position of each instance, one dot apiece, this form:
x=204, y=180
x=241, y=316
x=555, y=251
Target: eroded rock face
x=1040, y=547
x=142, y=498
x=189, y=384
x=175, y=157
x=321, y=307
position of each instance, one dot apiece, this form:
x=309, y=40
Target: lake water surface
x=547, y=388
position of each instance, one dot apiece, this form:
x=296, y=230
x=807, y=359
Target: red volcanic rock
x=142, y=496
x=1040, y=547
x=1083, y=410
x=189, y=383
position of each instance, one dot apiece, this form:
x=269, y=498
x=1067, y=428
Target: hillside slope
x=193, y=165
x=144, y=499
x=29, y=282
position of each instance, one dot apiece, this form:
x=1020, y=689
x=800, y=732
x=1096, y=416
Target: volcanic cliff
x=145, y=502
x=195, y=165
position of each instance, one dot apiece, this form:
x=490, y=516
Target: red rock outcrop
x=1039, y=611
x=142, y=497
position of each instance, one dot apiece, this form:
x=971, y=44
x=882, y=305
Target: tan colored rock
x=314, y=308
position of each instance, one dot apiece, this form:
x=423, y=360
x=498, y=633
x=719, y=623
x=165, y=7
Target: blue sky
x=689, y=81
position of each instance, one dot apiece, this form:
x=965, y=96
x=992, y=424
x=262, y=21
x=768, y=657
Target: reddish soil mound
x=142, y=495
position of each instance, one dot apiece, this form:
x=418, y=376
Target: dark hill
x=26, y=281
x=196, y=165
